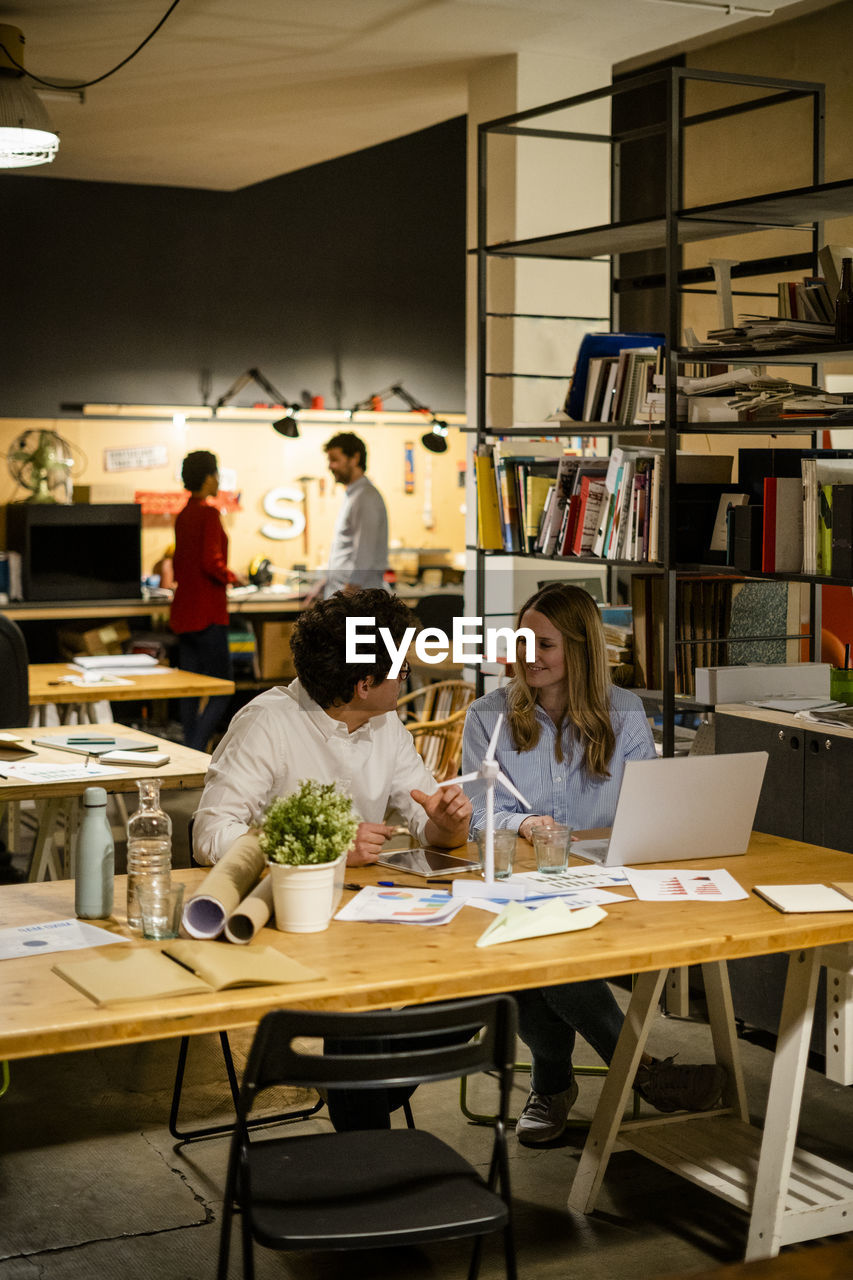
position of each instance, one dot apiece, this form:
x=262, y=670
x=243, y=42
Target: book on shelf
x=596, y=346
x=702, y=617
x=824, y=529
x=782, y=536
x=544, y=518
x=842, y=530
x=744, y=543
x=507, y=503
x=591, y=497
x=537, y=489
x=821, y=470
x=598, y=374
x=488, y=513
x=829, y=257
x=563, y=489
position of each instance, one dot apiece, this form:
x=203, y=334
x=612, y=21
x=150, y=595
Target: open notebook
x=182, y=968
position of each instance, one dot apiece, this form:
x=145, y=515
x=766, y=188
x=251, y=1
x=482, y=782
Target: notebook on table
x=685, y=807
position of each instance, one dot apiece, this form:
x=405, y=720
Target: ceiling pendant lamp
x=27, y=136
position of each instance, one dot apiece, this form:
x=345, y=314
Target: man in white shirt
x=359, y=555
x=337, y=722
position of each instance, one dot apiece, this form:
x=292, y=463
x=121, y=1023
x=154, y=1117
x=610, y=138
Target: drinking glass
x=161, y=906
x=504, y=849
x=551, y=845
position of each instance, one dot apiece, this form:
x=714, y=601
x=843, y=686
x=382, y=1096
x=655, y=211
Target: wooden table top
x=783, y=718
x=372, y=965
x=48, y=685
x=46, y=610
x=186, y=768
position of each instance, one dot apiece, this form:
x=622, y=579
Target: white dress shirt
x=283, y=737
x=359, y=551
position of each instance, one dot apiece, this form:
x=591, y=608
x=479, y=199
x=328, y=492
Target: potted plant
x=306, y=836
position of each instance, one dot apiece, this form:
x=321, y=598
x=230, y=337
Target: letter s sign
x=276, y=505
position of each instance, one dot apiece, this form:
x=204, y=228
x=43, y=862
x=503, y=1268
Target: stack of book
x=760, y=333
x=800, y=517
x=620, y=647
x=702, y=617
x=570, y=506
x=617, y=385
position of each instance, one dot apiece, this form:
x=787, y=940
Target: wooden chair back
x=435, y=717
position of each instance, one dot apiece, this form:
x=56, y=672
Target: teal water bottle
x=95, y=870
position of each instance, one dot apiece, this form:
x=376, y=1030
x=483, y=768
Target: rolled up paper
x=223, y=888
x=251, y=914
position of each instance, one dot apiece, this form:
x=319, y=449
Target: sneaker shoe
x=668, y=1087
x=545, y=1115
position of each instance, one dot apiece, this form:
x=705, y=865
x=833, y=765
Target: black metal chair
x=15, y=685
x=216, y=1130
x=376, y=1187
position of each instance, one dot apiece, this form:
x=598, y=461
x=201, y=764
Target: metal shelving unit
x=800, y=209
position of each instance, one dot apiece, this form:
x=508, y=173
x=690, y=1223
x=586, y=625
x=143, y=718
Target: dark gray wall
x=352, y=269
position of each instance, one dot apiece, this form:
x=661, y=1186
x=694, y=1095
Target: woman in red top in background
x=199, y=614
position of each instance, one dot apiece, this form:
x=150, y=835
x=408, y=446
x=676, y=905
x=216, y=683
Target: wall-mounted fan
x=41, y=462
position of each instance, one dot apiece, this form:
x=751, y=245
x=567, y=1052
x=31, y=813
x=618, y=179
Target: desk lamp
x=489, y=772
x=434, y=439
x=286, y=426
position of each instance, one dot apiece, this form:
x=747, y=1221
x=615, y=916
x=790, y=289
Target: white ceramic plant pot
x=305, y=897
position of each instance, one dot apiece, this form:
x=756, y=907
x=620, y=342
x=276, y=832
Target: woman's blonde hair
x=575, y=615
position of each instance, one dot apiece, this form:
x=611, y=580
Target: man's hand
x=369, y=840
x=449, y=812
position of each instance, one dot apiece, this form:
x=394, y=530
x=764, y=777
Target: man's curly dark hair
x=318, y=643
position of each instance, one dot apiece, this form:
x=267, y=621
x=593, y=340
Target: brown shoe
x=670, y=1087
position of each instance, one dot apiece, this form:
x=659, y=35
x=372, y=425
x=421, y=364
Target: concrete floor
x=92, y=1184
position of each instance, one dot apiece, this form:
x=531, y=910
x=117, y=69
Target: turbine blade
x=490, y=750
x=505, y=782
x=466, y=777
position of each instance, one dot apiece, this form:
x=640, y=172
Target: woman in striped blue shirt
x=566, y=735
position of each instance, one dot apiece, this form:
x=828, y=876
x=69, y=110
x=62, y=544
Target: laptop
x=680, y=808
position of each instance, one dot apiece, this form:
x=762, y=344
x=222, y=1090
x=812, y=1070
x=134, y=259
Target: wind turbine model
x=489, y=772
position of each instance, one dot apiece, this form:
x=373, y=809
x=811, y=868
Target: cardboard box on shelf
x=104, y=492
x=107, y=639
x=275, y=661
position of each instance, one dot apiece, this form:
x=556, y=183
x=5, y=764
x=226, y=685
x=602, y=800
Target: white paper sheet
x=401, y=906
x=580, y=898
x=555, y=884
x=41, y=771
x=697, y=885
x=53, y=935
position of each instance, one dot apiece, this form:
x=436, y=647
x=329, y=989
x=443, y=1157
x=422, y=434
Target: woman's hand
x=535, y=820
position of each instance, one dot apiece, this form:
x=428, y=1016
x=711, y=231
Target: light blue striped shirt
x=564, y=790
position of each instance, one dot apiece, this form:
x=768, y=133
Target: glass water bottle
x=149, y=848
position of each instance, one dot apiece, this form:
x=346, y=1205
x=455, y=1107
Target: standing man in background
x=359, y=555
